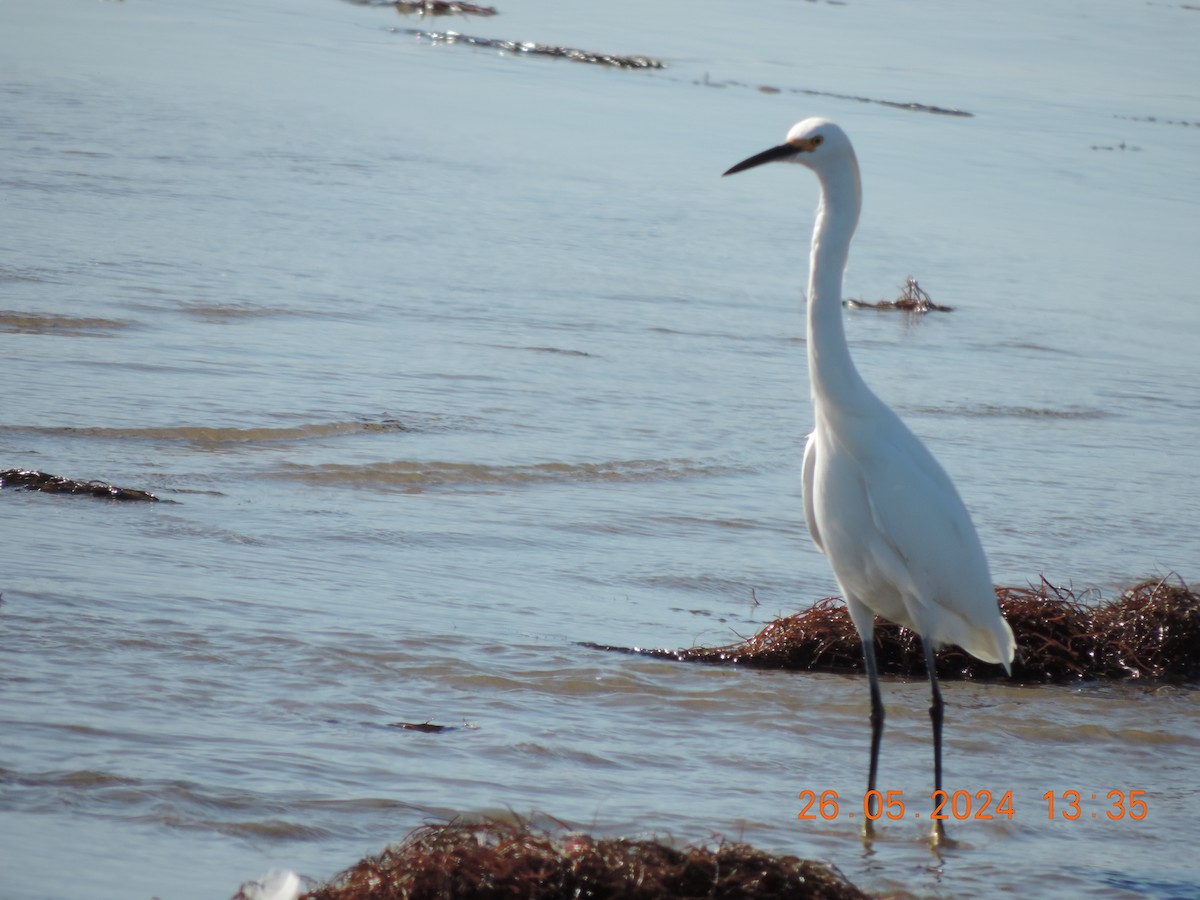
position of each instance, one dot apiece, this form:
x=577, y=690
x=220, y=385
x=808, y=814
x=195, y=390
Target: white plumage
x=878, y=505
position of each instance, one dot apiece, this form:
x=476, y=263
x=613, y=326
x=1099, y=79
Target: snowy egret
x=878, y=505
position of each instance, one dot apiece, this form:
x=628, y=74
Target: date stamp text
x=962, y=805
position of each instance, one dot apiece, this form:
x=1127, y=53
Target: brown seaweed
x=912, y=299
x=494, y=860
x=430, y=7
x=1151, y=631
x=528, y=48
x=33, y=480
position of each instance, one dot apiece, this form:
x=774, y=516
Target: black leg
x=936, y=710
x=877, y=716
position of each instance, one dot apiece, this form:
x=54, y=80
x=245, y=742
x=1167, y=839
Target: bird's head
x=814, y=143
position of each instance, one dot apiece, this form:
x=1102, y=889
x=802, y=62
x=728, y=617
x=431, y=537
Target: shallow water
x=452, y=361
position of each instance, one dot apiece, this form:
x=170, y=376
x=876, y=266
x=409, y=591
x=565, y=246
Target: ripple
x=52, y=323
x=412, y=475
x=990, y=411
x=212, y=435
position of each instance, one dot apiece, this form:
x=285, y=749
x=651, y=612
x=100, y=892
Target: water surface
x=452, y=361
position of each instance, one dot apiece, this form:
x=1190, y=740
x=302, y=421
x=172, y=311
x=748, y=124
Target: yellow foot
x=938, y=839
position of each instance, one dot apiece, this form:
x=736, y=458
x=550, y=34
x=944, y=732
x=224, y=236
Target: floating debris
x=528, y=48
x=1151, y=631
x=430, y=7
x=497, y=859
x=423, y=727
x=894, y=104
x=911, y=299
x=994, y=411
x=1155, y=120
x=1121, y=146
x=558, y=350
x=33, y=480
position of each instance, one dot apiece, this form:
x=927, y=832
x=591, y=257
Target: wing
x=919, y=513
x=924, y=543
x=895, y=530
x=810, y=466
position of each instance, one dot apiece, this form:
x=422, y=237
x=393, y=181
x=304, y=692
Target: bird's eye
x=817, y=139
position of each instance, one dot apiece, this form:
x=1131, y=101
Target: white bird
x=878, y=505
x=278, y=884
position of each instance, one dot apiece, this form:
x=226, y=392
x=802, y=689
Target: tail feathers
x=996, y=645
x=1008, y=645
x=275, y=885
x=991, y=643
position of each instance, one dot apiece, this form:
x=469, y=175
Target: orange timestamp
x=1121, y=805
x=961, y=805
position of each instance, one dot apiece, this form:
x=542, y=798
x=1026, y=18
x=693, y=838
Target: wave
x=415, y=475
x=239, y=311
x=49, y=323
x=216, y=435
x=174, y=803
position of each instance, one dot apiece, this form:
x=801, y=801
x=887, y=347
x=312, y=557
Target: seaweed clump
x=912, y=299
x=33, y=480
x=529, y=48
x=492, y=860
x=431, y=7
x=1152, y=630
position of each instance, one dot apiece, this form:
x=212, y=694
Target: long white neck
x=831, y=371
